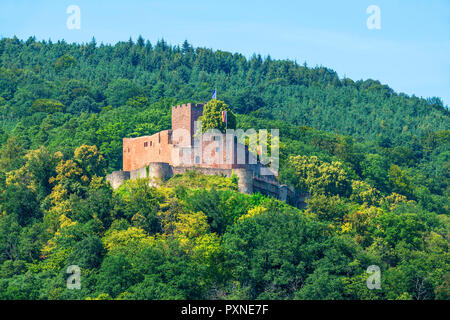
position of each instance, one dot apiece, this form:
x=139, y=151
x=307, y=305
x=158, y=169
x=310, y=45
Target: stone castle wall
x=204, y=170
x=170, y=152
x=116, y=178
x=249, y=181
x=139, y=152
x=176, y=146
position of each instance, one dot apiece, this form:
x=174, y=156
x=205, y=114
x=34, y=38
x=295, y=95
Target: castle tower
x=158, y=172
x=184, y=117
x=245, y=182
x=116, y=178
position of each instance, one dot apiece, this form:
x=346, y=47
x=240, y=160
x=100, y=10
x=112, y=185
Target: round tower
x=159, y=171
x=283, y=193
x=245, y=182
x=116, y=178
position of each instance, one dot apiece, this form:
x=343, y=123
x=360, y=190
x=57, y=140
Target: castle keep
x=178, y=150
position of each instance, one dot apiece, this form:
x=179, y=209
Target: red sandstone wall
x=138, y=152
x=217, y=158
x=167, y=146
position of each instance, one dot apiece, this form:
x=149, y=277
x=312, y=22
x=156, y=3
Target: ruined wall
x=214, y=151
x=160, y=170
x=218, y=151
x=245, y=176
x=138, y=173
x=175, y=147
x=204, y=170
x=170, y=152
x=139, y=152
x=245, y=182
x=283, y=193
x=249, y=181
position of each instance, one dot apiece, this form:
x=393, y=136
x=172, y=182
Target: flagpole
x=226, y=121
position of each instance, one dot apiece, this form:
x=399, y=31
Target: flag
x=214, y=94
x=224, y=116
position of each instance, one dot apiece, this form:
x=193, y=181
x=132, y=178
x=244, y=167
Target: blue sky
x=410, y=53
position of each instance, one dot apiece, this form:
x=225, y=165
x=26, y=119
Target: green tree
x=375, y=170
x=21, y=202
x=272, y=253
x=320, y=177
x=212, y=116
x=39, y=167
x=47, y=105
x=116, y=275
x=11, y=154
x=399, y=181
x=120, y=90
x=91, y=160
x=64, y=62
x=88, y=253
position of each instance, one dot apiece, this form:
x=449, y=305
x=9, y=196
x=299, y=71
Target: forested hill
x=89, y=77
x=376, y=164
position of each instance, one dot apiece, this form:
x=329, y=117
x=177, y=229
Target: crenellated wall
x=184, y=117
x=249, y=181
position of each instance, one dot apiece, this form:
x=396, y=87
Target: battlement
x=185, y=115
x=188, y=105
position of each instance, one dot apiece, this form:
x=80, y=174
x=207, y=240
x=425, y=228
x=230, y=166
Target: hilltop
x=88, y=77
x=375, y=162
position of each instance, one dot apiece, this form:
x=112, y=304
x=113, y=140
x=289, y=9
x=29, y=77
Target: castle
x=178, y=150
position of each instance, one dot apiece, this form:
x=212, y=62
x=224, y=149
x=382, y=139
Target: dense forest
x=375, y=162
